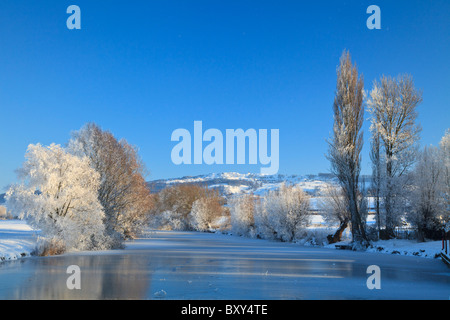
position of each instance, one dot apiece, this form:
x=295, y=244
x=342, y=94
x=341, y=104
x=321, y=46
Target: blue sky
x=142, y=69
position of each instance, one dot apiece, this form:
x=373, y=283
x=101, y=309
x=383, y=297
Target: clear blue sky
x=145, y=68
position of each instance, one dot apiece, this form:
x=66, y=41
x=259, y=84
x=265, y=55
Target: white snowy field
x=17, y=239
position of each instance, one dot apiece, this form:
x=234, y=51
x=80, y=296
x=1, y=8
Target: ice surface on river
x=193, y=265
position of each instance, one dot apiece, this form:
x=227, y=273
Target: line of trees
x=187, y=207
x=406, y=182
x=88, y=195
x=282, y=214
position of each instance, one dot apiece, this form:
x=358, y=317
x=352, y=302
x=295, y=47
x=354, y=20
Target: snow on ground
x=429, y=249
x=17, y=239
x=318, y=220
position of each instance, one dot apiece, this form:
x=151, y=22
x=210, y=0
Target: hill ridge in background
x=231, y=182
x=228, y=183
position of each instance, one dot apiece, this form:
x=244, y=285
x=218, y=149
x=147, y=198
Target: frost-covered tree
x=444, y=146
x=242, y=211
x=57, y=194
x=282, y=213
x=205, y=211
x=427, y=197
x=393, y=106
x=123, y=191
x=345, y=145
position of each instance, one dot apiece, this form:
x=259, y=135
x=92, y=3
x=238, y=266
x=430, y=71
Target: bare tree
x=393, y=106
x=346, y=142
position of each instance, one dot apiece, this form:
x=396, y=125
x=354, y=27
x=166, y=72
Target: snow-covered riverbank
x=429, y=249
x=17, y=239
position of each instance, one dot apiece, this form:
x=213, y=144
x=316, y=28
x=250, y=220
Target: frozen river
x=191, y=265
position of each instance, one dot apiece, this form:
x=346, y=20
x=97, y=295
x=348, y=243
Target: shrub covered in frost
x=282, y=214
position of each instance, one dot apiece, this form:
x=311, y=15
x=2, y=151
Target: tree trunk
x=377, y=208
x=338, y=234
x=390, y=225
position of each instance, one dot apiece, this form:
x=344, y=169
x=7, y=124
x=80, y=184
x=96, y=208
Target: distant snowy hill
x=231, y=182
x=2, y=198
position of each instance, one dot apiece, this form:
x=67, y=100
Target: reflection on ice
x=185, y=265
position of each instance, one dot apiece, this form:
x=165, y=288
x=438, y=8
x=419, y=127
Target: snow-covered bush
x=314, y=236
x=171, y=220
x=282, y=214
x=242, y=209
x=58, y=195
x=205, y=212
x=174, y=208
